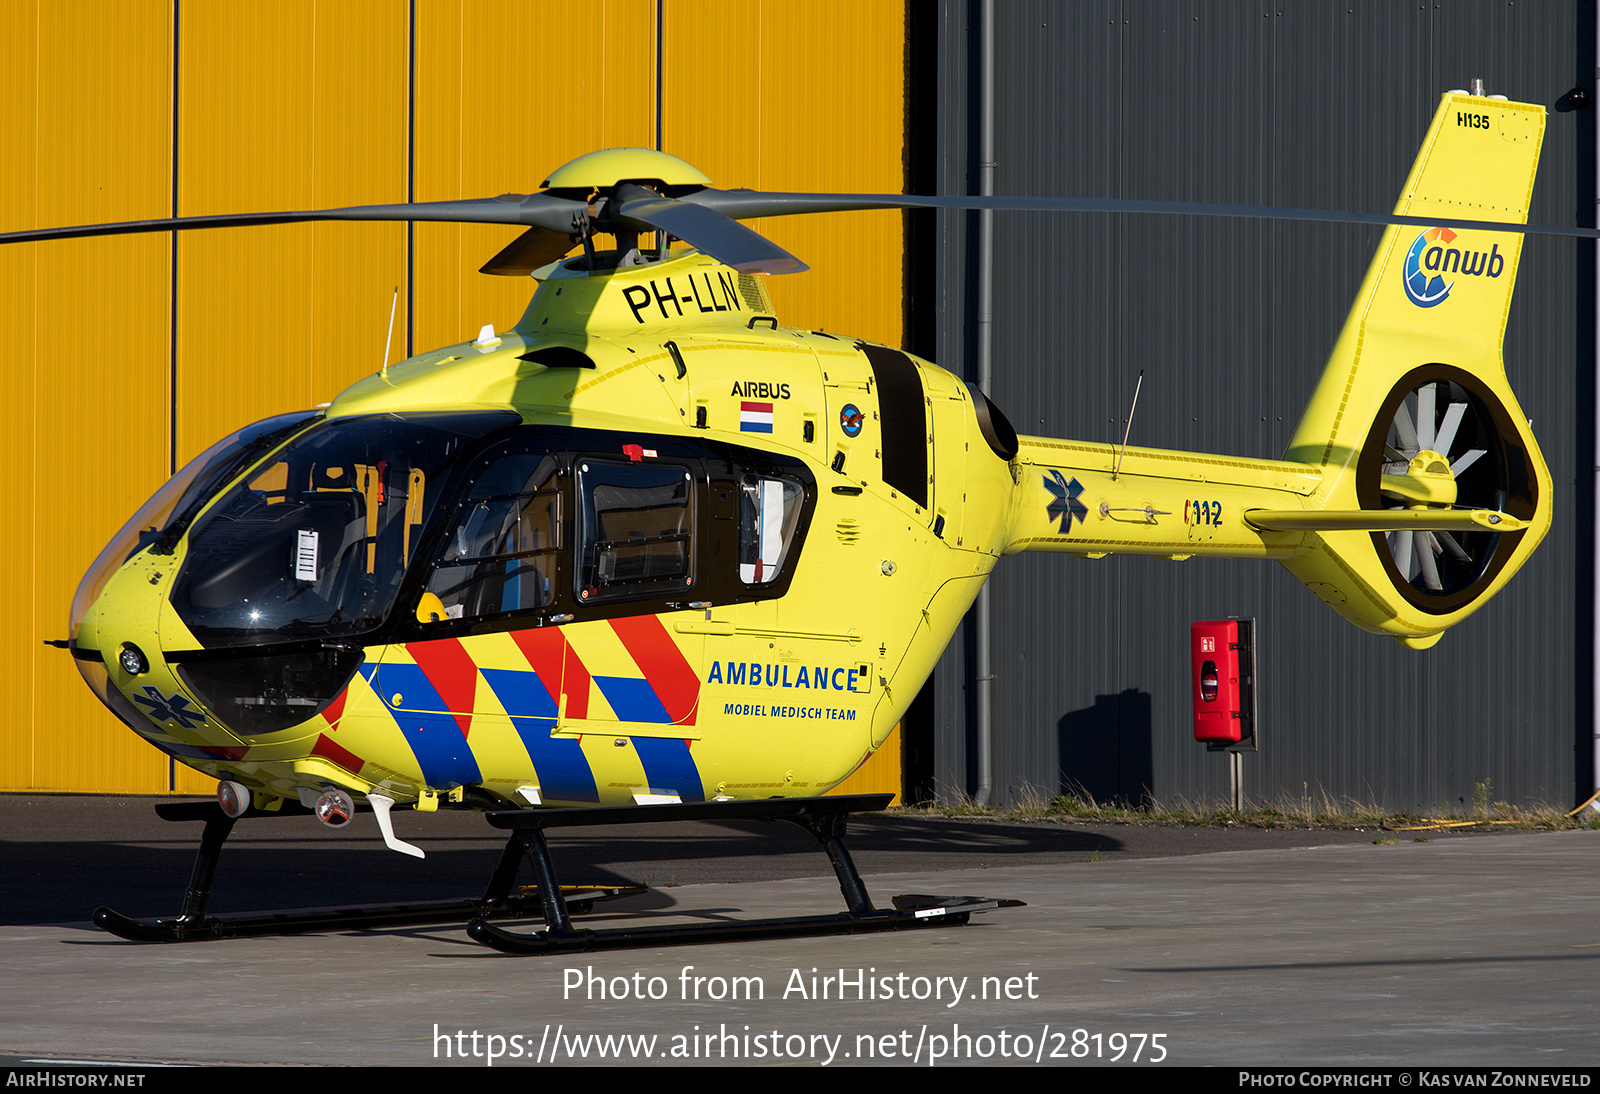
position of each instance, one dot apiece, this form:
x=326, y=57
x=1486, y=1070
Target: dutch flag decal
x=755, y=417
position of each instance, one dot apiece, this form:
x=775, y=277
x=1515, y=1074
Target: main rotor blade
x=746, y=204
x=556, y=214
x=534, y=248
x=707, y=218
x=706, y=229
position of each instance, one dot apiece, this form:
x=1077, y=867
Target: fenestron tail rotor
x=1443, y=442
x=1438, y=435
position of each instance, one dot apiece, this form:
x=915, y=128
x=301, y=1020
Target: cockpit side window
x=635, y=530
x=502, y=550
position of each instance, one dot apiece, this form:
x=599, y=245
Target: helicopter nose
x=126, y=625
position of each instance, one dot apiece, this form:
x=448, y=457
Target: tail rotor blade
x=1427, y=424
x=1406, y=432
x=1448, y=427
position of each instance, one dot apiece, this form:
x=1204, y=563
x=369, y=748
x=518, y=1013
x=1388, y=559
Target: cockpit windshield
x=315, y=542
x=162, y=519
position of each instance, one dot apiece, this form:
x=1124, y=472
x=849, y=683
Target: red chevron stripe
x=327, y=749
x=553, y=658
x=450, y=669
x=335, y=709
x=671, y=677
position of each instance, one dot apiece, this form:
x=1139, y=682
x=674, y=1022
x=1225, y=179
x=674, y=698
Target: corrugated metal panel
x=19, y=135
x=803, y=97
x=786, y=96
x=1317, y=107
x=83, y=94
x=497, y=111
x=879, y=773
x=275, y=319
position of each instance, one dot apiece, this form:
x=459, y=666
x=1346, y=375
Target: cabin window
x=770, y=507
x=502, y=548
x=635, y=530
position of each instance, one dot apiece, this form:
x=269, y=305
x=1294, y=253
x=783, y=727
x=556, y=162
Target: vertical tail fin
x=1413, y=409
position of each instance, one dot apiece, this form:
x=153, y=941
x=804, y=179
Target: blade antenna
x=1129, y=428
x=388, y=340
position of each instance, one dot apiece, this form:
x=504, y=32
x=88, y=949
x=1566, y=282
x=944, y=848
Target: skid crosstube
x=824, y=818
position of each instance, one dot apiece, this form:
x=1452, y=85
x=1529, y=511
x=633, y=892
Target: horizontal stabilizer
x=1383, y=520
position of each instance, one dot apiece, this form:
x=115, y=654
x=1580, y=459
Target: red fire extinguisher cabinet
x=1222, y=683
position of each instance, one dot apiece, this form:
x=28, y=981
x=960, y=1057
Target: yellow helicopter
x=600, y=561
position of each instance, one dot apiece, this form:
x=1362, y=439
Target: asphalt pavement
x=1139, y=945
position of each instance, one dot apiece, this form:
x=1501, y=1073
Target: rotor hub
x=604, y=169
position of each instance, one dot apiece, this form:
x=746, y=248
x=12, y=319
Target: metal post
x=1594, y=491
x=983, y=676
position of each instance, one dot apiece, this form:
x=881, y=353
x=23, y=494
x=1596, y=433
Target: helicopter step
x=824, y=818
x=192, y=924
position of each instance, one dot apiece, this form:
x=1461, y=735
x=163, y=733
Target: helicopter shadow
x=1106, y=750
x=67, y=855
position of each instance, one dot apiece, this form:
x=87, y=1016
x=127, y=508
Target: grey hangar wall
x=1299, y=104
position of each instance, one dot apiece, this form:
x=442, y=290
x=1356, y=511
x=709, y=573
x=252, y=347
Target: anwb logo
x=1431, y=258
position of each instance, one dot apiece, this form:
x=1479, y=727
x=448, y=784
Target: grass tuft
x=1307, y=810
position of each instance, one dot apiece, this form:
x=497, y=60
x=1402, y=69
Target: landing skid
x=192, y=924
x=824, y=818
